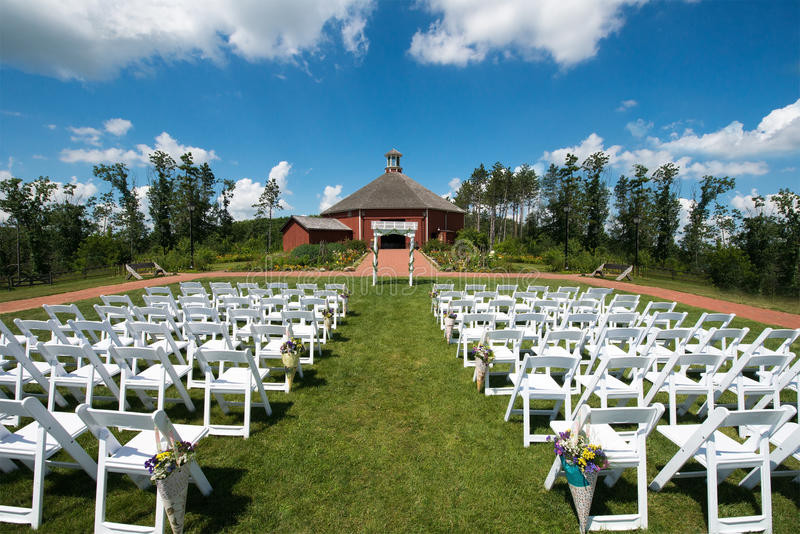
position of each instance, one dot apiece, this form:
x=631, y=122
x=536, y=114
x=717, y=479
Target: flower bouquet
x=327, y=317
x=483, y=355
x=166, y=469
x=291, y=349
x=434, y=299
x=581, y=461
x=449, y=323
x=344, y=296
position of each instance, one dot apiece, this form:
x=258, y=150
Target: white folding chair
x=34, y=445
x=723, y=341
x=624, y=449
x=117, y=300
x=505, y=345
x=707, y=321
x=155, y=433
x=607, y=384
x=653, y=307
x=535, y=382
x=677, y=378
x=99, y=335
x=268, y=339
x=304, y=325
x=623, y=303
x=47, y=332
x=236, y=373
x=159, y=290
x=786, y=440
x=719, y=454
x=155, y=335
x=117, y=316
x=69, y=311
x=165, y=301
x=83, y=376
x=471, y=330
x=146, y=369
x=24, y=371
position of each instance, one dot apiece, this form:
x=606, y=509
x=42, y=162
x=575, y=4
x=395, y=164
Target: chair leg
x=38, y=480
x=555, y=469
x=199, y=478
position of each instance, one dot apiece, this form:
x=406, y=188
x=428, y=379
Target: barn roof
x=393, y=190
x=317, y=223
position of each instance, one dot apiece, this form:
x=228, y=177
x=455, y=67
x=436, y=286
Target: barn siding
x=295, y=235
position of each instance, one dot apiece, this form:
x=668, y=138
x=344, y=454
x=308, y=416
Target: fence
x=29, y=279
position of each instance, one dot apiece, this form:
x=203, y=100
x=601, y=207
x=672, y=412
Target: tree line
x=50, y=231
x=573, y=208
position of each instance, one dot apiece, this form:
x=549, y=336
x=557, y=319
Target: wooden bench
x=135, y=270
x=613, y=268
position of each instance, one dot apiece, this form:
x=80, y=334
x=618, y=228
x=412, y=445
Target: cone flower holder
x=480, y=372
x=173, y=491
x=290, y=362
x=581, y=486
x=448, y=328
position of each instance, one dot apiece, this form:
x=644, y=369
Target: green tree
x=478, y=181
x=225, y=218
x=596, y=196
x=28, y=204
x=698, y=230
x=130, y=219
x=70, y=225
x=268, y=201
x=666, y=209
x=162, y=197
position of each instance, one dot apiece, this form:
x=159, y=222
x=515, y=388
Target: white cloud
x=50, y=126
x=627, y=104
x=245, y=194
x=5, y=174
x=117, y=127
x=90, y=40
x=683, y=216
x=83, y=190
x=138, y=156
x=639, y=127
x=777, y=133
x=86, y=134
x=330, y=196
x=568, y=31
x=38, y=156
x=624, y=160
x=747, y=205
x=452, y=187
x=281, y=173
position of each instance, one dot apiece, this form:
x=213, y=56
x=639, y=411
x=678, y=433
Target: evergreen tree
x=130, y=220
x=162, y=196
x=268, y=201
x=595, y=195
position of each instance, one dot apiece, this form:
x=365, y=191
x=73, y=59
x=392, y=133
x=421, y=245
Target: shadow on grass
x=310, y=380
x=223, y=507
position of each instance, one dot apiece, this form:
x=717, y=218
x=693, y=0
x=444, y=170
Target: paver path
x=395, y=263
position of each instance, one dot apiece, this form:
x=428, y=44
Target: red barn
x=299, y=230
x=393, y=196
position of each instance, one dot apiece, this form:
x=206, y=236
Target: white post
x=411, y=262
x=375, y=259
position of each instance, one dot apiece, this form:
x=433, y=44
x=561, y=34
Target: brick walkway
x=395, y=263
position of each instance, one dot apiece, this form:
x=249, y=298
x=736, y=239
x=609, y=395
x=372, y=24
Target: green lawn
x=27, y=292
x=386, y=433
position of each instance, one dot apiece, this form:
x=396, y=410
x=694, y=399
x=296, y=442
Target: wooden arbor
x=407, y=229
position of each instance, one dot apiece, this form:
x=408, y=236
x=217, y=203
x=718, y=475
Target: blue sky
x=314, y=92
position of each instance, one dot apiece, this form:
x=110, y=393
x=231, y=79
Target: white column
x=374, y=258
x=411, y=262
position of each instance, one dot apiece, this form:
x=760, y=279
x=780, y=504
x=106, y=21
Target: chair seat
x=22, y=443
x=682, y=382
x=103, y=344
x=164, y=344
x=272, y=349
x=728, y=449
x=220, y=344
x=80, y=375
x=619, y=452
x=10, y=376
x=150, y=378
x=614, y=386
x=131, y=456
x=236, y=378
x=544, y=384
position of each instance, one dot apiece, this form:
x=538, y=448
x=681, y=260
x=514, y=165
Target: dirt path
x=395, y=263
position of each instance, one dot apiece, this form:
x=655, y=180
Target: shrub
x=511, y=247
x=306, y=254
x=435, y=245
x=477, y=239
x=729, y=267
x=356, y=244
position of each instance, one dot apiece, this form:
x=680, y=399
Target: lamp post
x=566, y=235
x=191, y=234
x=636, y=221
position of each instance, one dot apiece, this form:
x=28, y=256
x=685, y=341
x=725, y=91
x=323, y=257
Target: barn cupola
x=393, y=161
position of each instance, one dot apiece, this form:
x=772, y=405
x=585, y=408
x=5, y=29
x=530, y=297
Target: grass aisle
x=385, y=432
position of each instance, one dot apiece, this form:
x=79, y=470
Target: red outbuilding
x=393, y=196
x=300, y=230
